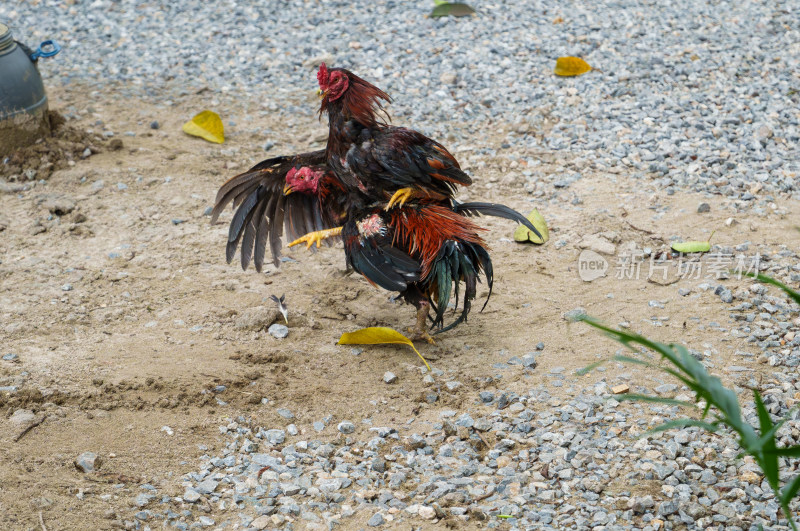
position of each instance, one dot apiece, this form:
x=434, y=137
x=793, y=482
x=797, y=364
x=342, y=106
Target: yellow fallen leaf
x=571, y=66
x=377, y=335
x=207, y=125
x=522, y=234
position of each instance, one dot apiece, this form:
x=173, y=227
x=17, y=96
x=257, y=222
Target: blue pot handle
x=48, y=48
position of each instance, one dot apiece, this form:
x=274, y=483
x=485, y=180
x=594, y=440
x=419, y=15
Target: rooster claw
x=417, y=334
x=399, y=198
x=316, y=237
x=309, y=239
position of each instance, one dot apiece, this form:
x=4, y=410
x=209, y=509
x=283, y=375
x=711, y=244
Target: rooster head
x=304, y=180
x=345, y=93
x=332, y=83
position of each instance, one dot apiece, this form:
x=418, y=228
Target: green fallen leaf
x=693, y=246
x=207, y=125
x=447, y=9
x=522, y=234
x=377, y=335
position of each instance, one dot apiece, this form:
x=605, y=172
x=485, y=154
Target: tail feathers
x=496, y=210
x=457, y=262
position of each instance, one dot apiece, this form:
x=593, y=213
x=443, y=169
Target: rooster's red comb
x=322, y=76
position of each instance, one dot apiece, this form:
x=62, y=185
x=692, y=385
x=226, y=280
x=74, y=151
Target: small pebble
x=88, y=462
x=346, y=427
x=278, y=331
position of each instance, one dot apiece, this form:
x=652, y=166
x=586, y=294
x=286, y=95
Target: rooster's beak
x=322, y=93
x=288, y=189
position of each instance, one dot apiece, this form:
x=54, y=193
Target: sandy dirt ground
x=124, y=316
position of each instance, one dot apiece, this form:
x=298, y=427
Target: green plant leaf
x=684, y=423
x=769, y=462
x=769, y=280
x=589, y=368
x=628, y=359
x=789, y=491
x=722, y=403
x=771, y=433
x=455, y=9
x=693, y=246
x=790, y=451
x=630, y=397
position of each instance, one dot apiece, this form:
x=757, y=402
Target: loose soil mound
x=60, y=145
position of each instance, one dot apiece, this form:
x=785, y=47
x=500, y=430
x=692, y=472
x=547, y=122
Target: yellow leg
x=400, y=197
x=316, y=237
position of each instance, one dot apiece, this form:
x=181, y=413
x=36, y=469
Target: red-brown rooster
x=386, y=162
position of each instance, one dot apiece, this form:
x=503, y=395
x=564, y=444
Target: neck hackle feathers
x=360, y=100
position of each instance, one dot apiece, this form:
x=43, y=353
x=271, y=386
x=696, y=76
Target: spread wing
x=263, y=213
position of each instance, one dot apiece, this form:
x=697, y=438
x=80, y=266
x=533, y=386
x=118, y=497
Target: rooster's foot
x=316, y=237
x=400, y=197
x=417, y=334
x=420, y=331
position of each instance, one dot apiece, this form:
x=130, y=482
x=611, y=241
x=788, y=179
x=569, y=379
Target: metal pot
x=23, y=101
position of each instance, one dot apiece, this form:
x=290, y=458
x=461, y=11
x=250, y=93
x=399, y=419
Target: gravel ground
x=697, y=96
x=524, y=461
x=702, y=95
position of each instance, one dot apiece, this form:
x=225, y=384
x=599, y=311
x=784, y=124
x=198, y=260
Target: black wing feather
x=261, y=208
x=240, y=218
x=379, y=261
